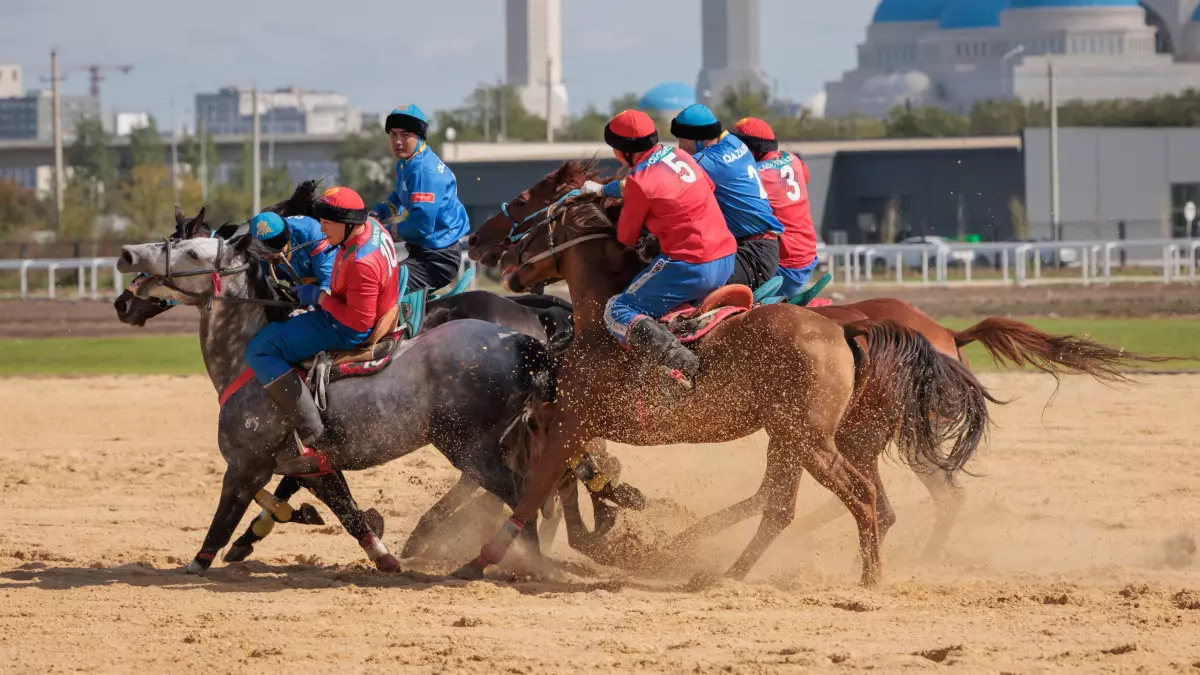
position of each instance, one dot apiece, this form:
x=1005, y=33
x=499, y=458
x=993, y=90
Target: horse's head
x=136, y=311
x=545, y=253
x=489, y=242
x=189, y=269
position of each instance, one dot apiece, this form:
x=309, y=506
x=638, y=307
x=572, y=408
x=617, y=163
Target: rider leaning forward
x=297, y=249
x=424, y=210
x=362, y=289
x=785, y=178
x=669, y=195
x=740, y=193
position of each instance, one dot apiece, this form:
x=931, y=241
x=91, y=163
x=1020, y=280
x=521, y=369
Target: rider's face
x=621, y=158
x=403, y=143
x=335, y=232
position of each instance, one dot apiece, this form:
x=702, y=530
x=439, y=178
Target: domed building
x=667, y=98
x=953, y=53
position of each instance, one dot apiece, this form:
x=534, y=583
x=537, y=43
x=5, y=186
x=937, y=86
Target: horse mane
x=587, y=216
x=573, y=173
x=257, y=252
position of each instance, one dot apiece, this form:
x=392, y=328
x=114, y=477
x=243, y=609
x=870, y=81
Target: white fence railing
x=82, y=265
x=1019, y=263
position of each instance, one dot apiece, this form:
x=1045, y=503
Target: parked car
x=1066, y=256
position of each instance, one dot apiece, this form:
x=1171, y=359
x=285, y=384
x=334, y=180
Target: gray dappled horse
x=458, y=387
x=544, y=317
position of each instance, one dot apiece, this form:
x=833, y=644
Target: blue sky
x=380, y=53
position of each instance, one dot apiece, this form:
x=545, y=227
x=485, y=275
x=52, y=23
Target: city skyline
x=604, y=57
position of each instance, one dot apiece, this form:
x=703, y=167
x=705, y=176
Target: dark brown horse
x=1009, y=342
x=781, y=368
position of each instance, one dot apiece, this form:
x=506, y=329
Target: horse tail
x=936, y=399
x=1019, y=344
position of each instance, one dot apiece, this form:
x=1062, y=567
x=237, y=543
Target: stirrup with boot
x=299, y=410
x=657, y=344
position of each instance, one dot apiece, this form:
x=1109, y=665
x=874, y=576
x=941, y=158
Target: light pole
x=1010, y=78
x=450, y=136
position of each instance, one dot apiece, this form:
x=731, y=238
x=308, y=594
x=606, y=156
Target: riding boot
x=655, y=342
x=299, y=409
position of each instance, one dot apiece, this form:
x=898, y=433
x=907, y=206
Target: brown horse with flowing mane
x=1008, y=341
x=807, y=380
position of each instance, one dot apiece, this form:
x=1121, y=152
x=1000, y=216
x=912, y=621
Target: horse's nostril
x=122, y=306
x=127, y=257
x=473, y=240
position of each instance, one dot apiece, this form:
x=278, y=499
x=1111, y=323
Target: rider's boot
x=299, y=409
x=654, y=342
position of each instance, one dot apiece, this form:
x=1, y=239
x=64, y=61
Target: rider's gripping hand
x=308, y=294
x=591, y=187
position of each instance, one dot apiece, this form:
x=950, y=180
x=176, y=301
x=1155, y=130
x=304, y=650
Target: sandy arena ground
x=1058, y=564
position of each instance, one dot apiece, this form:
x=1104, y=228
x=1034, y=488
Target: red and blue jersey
x=739, y=191
x=424, y=209
x=785, y=179
x=670, y=195
x=364, y=283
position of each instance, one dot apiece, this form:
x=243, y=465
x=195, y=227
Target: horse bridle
x=216, y=274
x=551, y=251
x=548, y=211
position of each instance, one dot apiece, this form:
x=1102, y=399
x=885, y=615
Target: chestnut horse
x=781, y=368
x=1009, y=342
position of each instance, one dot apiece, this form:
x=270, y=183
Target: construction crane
x=94, y=70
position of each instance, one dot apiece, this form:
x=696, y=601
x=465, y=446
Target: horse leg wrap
x=263, y=524
x=378, y=553
x=374, y=548
x=493, y=551
x=279, y=509
x=586, y=471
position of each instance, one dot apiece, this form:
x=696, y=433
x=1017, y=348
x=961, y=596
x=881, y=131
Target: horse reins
x=216, y=274
x=548, y=211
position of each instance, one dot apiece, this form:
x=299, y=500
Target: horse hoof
x=628, y=497
x=237, y=553
x=606, y=519
x=472, y=571
x=196, y=566
x=374, y=521
x=307, y=514
x=387, y=563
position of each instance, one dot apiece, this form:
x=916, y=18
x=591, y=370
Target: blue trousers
x=795, y=279
x=271, y=352
x=663, y=286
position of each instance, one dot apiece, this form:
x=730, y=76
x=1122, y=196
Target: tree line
x=134, y=183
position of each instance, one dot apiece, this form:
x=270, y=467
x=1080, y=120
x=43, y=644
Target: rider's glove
x=591, y=187
x=308, y=294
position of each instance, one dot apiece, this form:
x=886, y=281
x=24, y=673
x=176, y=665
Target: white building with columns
x=953, y=53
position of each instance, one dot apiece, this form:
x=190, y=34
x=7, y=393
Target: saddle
x=689, y=322
x=398, y=324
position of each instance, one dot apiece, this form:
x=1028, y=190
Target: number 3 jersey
x=363, y=284
x=785, y=178
x=672, y=197
x=739, y=191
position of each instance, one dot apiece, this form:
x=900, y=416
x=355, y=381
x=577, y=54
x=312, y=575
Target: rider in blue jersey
x=303, y=254
x=423, y=211
x=740, y=193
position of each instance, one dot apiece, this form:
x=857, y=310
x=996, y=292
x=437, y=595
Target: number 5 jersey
x=672, y=197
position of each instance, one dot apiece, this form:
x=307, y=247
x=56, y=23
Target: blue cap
x=408, y=118
x=267, y=226
x=696, y=122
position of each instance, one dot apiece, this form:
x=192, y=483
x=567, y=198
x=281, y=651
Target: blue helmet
x=408, y=118
x=270, y=229
x=696, y=123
